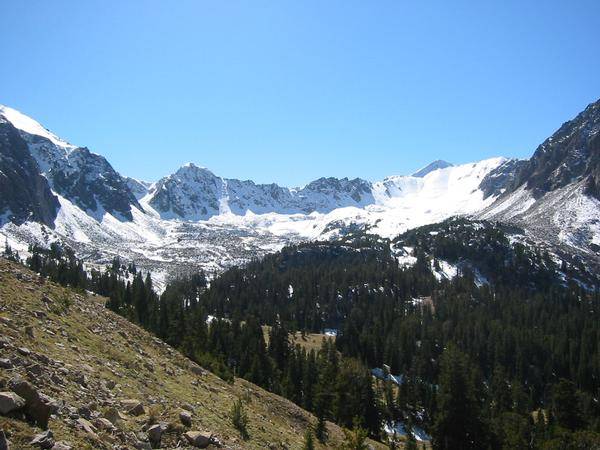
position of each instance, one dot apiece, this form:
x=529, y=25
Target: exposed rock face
x=195, y=193
x=26, y=194
x=501, y=178
x=33, y=162
x=570, y=155
x=90, y=182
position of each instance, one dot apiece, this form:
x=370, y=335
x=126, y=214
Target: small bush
x=239, y=419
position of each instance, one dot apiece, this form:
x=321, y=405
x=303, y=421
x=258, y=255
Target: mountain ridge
x=195, y=219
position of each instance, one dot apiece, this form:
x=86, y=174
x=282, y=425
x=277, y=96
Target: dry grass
x=83, y=336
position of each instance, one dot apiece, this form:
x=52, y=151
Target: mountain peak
x=26, y=124
x=435, y=165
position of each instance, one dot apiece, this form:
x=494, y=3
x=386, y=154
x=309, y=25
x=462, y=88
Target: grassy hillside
x=91, y=361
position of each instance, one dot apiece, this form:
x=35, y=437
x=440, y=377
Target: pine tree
x=308, y=440
x=458, y=424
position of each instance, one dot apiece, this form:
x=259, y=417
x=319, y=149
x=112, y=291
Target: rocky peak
x=570, y=155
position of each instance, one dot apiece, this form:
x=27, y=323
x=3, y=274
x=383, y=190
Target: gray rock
x=86, y=426
x=85, y=412
x=114, y=416
x=43, y=440
x=5, y=363
x=186, y=418
x=133, y=407
x=9, y=401
x=34, y=369
x=24, y=351
x=103, y=424
x=38, y=407
x=155, y=433
x=62, y=445
x=198, y=439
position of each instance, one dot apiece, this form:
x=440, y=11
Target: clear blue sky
x=288, y=91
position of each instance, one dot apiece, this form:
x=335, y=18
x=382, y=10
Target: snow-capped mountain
x=555, y=194
x=52, y=190
x=435, y=165
x=85, y=178
x=194, y=193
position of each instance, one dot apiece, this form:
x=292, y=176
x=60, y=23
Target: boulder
x=38, y=407
x=186, y=418
x=43, y=440
x=5, y=363
x=9, y=401
x=198, y=439
x=155, y=433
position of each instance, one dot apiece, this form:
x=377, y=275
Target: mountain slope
x=554, y=195
x=91, y=361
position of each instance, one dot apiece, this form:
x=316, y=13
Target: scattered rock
x=86, y=426
x=197, y=370
x=43, y=440
x=103, y=424
x=24, y=351
x=34, y=370
x=198, y=439
x=62, y=445
x=186, y=418
x=9, y=401
x=85, y=412
x=5, y=363
x=114, y=416
x=133, y=407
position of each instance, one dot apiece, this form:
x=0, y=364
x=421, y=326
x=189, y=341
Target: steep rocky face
x=570, y=155
x=244, y=196
x=326, y=194
x=84, y=178
x=90, y=182
x=25, y=194
x=138, y=188
x=192, y=193
x=501, y=178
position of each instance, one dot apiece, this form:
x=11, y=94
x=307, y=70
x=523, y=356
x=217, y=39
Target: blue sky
x=288, y=91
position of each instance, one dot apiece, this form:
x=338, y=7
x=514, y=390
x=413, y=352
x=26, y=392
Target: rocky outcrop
x=26, y=194
x=570, y=155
